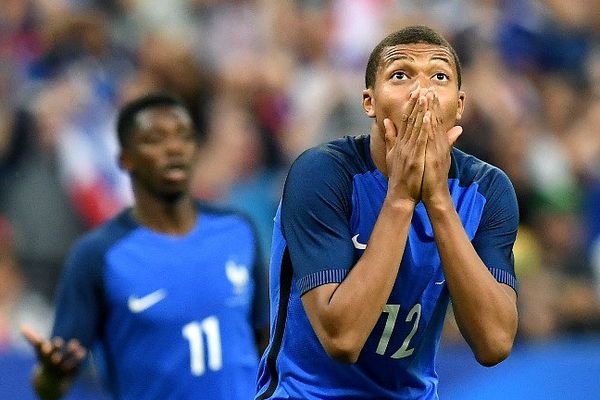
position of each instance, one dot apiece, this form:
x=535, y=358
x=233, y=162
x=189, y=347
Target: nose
x=423, y=81
x=422, y=86
x=175, y=145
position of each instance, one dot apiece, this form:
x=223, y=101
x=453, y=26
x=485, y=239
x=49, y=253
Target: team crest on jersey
x=238, y=276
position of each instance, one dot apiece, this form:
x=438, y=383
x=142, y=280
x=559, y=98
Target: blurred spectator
x=35, y=201
x=232, y=168
x=268, y=79
x=18, y=304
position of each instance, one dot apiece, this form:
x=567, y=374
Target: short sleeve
x=315, y=212
x=79, y=302
x=497, y=230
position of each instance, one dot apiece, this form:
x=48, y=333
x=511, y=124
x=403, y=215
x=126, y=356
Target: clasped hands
x=418, y=150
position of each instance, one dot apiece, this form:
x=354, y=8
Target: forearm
x=347, y=317
x=484, y=309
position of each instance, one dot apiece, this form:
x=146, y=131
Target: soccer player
x=170, y=289
x=376, y=233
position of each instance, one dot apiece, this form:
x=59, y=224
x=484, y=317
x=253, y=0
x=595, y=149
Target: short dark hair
x=408, y=35
x=126, y=121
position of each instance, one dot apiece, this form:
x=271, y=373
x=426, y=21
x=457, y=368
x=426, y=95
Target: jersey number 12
x=413, y=316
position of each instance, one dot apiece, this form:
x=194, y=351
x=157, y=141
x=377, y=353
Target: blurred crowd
x=267, y=79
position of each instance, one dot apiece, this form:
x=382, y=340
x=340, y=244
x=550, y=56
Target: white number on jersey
x=414, y=316
x=194, y=332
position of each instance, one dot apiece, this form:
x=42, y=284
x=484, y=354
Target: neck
x=174, y=216
x=378, y=150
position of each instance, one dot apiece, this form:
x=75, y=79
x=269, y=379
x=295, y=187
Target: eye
x=400, y=75
x=187, y=135
x=151, y=138
x=442, y=77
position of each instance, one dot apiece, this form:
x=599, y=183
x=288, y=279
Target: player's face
x=162, y=151
x=402, y=69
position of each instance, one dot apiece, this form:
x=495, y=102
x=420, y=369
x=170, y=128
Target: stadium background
x=266, y=79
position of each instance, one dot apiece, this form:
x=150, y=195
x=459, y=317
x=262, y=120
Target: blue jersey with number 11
x=331, y=200
x=174, y=315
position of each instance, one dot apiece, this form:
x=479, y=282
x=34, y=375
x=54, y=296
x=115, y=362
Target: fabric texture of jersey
x=173, y=315
x=331, y=200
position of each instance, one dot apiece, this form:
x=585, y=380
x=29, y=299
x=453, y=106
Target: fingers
x=50, y=351
x=437, y=123
x=390, y=134
x=56, y=352
x=45, y=349
x=31, y=336
x=55, y=355
x=427, y=123
x=414, y=95
x=437, y=109
x=75, y=353
x=415, y=120
x=453, y=134
x=427, y=131
x=63, y=359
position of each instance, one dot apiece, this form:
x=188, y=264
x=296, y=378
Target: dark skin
x=415, y=105
x=159, y=157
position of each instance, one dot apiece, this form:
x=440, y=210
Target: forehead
x=151, y=117
x=415, y=52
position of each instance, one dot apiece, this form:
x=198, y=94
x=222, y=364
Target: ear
x=461, y=105
x=368, y=103
x=124, y=161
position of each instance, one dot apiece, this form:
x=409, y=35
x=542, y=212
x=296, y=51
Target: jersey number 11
x=194, y=332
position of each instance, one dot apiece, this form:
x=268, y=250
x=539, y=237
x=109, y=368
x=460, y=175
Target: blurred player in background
x=376, y=233
x=171, y=290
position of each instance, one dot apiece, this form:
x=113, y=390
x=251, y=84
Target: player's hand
x=437, y=154
x=57, y=358
x=405, y=148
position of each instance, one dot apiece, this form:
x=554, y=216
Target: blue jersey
x=174, y=315
x=331, y=200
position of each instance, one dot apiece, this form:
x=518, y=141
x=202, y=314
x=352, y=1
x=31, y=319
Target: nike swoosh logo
x=439, y=282
x=138, y=304
x=357, y=244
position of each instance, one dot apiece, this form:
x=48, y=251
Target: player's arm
x=58, y=364
x=485, y=309
x=261, y=338
x=344, y=314
x=76, y=322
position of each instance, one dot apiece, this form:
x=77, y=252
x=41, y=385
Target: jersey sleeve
x=315, y=212
x=497, y=230
x=79, y=297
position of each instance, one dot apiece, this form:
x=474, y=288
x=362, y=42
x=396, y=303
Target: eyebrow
x=403, y=57
x=398, y=58
x=442, y=58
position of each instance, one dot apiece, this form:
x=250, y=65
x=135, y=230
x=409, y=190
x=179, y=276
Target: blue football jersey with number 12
x=331, y=200
x=173, y=315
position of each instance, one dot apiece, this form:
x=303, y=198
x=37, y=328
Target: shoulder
x=320, y=181
x=470, y=170
x=341, y=158
x=345, y=154
x=93, y=246
x=225, y=217
x=236, y=226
